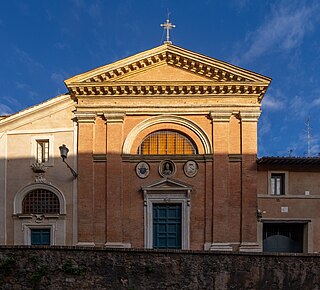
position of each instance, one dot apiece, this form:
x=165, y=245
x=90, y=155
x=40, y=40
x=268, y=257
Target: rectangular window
x=277, y=184
x=40, y=236
x=42, y=151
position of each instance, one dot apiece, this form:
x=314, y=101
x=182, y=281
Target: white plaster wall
x=56, y=124
x=3, y=151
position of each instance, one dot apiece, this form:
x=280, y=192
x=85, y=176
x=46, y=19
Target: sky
x=44, y=42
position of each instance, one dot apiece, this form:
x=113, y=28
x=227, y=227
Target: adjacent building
x=288, y=202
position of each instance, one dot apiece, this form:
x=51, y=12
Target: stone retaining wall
x=97, y=268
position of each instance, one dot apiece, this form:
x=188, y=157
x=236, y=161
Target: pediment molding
x=37, y=112
x=221, y=76
x=208, y=70
x=166, y=184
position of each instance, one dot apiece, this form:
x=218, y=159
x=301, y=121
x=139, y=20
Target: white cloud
x=300, y=107
x=272, y=104
x=26, y=89
x=25, y=58
x=316, y=102
x=283, y=29
x=60, y=45
x=5, y=110
x=12, y=101
x=240, y=4
x=264, y=128
x=302, y=143
x=58, y=77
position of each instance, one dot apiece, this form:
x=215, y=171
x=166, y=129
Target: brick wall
x=97, y=268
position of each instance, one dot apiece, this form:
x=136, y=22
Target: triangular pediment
x=61, y=104
x=168, y=70
x=163, y=72
x=167, y=184
x=153, y=61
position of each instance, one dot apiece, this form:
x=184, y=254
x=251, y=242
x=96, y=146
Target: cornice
x=166, y=108
x=85, y=117
x=166, y=88
x=220, y=116
x=250, y=116
x=114, y=117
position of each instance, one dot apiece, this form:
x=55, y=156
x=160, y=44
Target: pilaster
x=114, y=183
x=249, y=121
x=100, y=165
x=86, y=123
x=220, y=123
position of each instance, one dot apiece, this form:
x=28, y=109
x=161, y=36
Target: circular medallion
x=142, y=169
x=190, y=168
x=167, y=168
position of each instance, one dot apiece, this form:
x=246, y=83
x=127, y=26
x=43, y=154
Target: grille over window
x=167, y=142
x=40, y=201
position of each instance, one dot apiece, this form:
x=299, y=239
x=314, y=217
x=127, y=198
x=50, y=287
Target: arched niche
x=17, y=205
x=181, y=124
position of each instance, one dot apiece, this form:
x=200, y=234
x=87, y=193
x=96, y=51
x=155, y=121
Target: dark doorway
x=167, y=226
x=283, y=237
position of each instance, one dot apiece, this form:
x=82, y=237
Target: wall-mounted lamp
x=259, y=215
x=64, y=153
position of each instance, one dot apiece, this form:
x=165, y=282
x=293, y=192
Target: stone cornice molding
x=114, y=117
x=221, y=116
x=85, y=117
x=167, y=88
x=250, y=116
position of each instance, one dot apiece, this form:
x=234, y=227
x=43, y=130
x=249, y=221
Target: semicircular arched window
x=40, y=201
x=167, y=142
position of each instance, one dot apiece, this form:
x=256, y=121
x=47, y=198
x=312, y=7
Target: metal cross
x=167, y=25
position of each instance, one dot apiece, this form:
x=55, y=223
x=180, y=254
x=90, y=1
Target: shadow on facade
x=110, y=202
x=119, y=201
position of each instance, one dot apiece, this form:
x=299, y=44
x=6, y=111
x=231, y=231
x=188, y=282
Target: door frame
x=167, y=191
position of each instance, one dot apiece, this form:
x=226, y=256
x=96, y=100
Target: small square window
x=40, y=236
x=277, y=184
x=42, y=151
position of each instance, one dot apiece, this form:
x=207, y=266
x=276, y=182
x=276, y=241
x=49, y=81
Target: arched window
x=40, y=201
x=166, y=142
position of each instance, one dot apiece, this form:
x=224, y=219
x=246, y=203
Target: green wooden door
x=167, y=226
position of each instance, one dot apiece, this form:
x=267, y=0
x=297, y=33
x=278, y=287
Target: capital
x=85, y=117
x=220, y=116
x=250, y=116
x=114, y=117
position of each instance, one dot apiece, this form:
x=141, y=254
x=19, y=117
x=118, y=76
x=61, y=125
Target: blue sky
x=44, y=42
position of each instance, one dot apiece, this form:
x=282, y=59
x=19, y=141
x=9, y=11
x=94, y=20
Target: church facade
x=168, y=132
x=165, y=147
